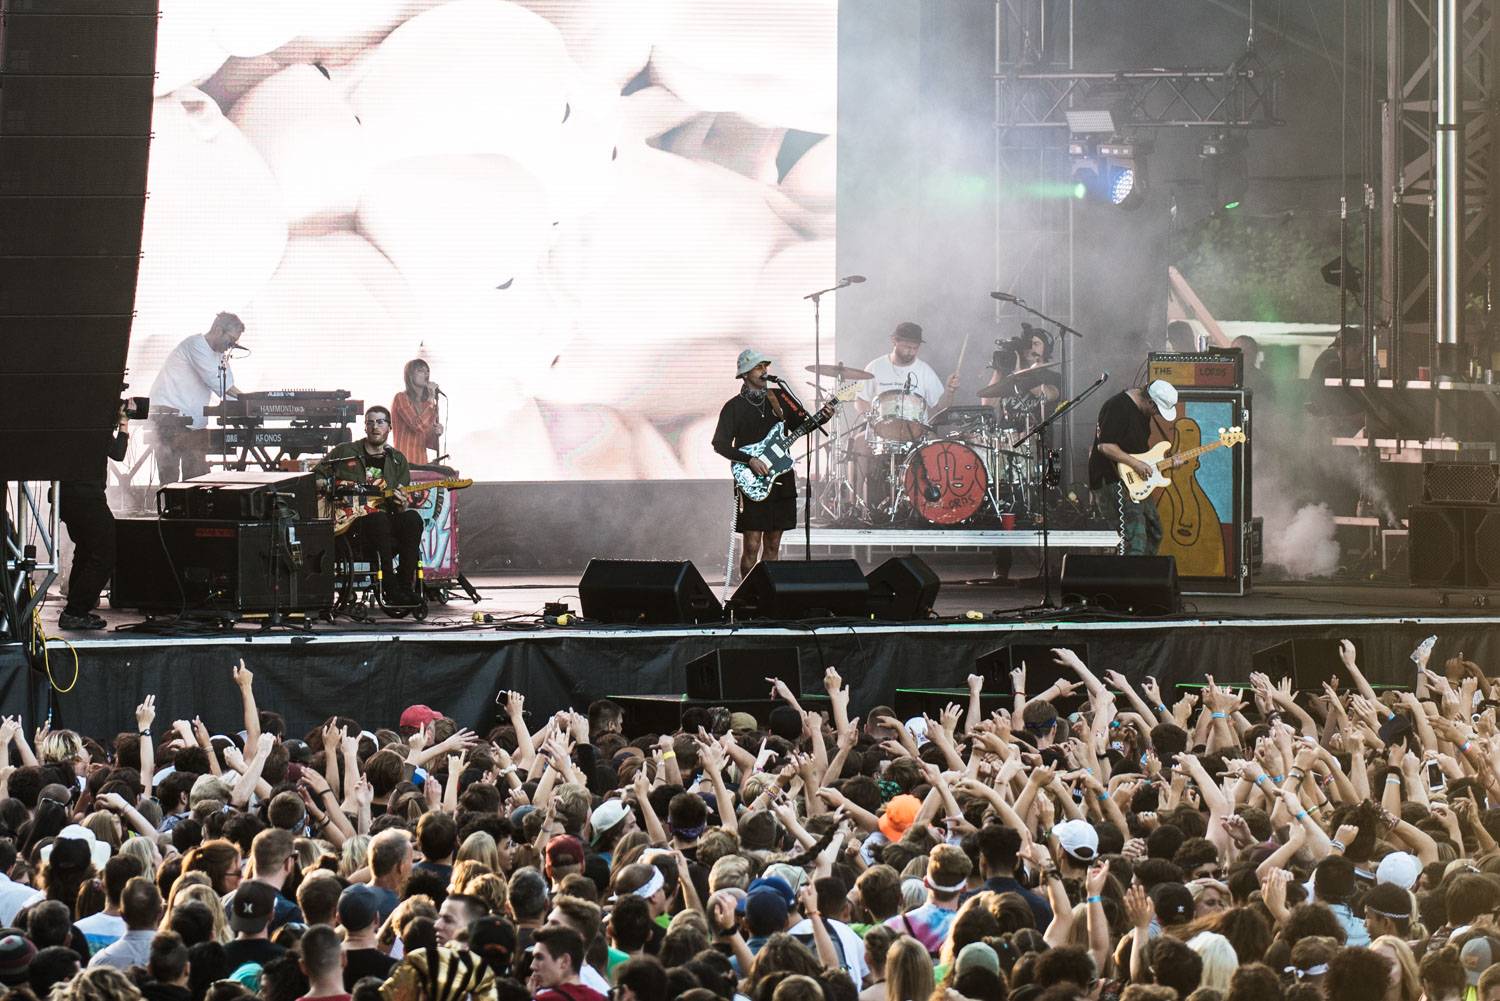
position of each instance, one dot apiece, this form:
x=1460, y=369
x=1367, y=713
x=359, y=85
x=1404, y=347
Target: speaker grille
x=1461, y=483
x=1487, y=548
x=1435, y=545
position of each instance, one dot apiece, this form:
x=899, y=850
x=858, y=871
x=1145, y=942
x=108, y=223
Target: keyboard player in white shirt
x=188, y=380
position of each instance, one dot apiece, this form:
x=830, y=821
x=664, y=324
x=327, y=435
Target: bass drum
x=946, y=482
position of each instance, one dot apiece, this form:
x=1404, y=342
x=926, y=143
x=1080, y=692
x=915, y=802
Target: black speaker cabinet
x=742, y=674
x=903, y=588
x=1453, y=546
x=653, y=592
x=1308, y=662
x=1461, y=483
x=1041, y=671
x=222, y=566
x=1134, y=585
x=802, y=589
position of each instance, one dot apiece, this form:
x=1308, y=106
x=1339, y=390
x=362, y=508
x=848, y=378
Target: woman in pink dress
x=414, y=414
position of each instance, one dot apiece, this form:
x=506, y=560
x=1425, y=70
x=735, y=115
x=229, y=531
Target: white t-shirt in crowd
x=13, y=897
x=923, y=380
x=853, y=947
x=189, y=378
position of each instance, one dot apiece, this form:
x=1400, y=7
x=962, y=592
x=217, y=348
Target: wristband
x=1103, y=796
x=668, y=755
x=1114, y=724
x=1095, y=899
x=1261, y=778
x=1301, y=815
x=1218, y=715
x=1278, y=779
x=144, y=733
x=1336, y=843
x=1465, y=746
x=1162, y=709
x=1295, y=774
x=1392, y=780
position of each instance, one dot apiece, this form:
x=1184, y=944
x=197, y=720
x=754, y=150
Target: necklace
x=756, y=398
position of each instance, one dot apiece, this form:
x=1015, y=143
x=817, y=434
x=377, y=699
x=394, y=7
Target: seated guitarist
x=394, y=531
x=744, y=420
x=1124, y=430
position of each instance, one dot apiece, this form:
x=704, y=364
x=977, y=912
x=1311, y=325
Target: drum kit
x=894, y=464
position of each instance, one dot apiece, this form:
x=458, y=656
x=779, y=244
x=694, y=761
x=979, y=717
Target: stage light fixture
x=1226, y=172
x=1113, y=171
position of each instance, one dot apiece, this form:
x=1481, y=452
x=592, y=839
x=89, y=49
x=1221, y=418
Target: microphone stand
x=1048, y=480
x=817, y=301
x=1067, y=363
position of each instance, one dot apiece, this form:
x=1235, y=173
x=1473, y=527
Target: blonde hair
x=60, y=747
x=1406, y=961
x=490, y=888
x=106, y=827
x=480, y=847
x=908, y=970
x=203, y=893
x=354, y=855
x=1219, y=959
x=97, y=983
x=464, y=873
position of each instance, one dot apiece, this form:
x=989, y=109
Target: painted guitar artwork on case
x=776, y=452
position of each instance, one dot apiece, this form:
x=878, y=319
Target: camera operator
x=83, y=508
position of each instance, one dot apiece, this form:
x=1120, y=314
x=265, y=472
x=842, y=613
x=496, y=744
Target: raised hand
x=1098, y=875
x=1139, y=909
x=242, y=674
x=1018, y=679
x=976, y=683
x=515, y=704
x=832, y=682
x=1151, y=690
x=145, y=715
x=1346, y=653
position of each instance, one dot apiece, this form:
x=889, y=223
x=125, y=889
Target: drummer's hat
x=908, y=331
x=749, y=358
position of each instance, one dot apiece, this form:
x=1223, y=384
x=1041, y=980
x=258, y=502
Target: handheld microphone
x=1003, y=296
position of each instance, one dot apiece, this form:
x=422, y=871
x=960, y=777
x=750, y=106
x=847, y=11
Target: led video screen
x=576, y=211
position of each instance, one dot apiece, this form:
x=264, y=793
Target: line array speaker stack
x=76, y=80
x=1454, y=538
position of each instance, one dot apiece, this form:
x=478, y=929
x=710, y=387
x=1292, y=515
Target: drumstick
x=963, y=350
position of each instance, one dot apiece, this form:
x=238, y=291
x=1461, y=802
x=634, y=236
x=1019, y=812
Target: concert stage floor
x=372, y=671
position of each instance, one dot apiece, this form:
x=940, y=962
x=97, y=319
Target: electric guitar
x=775, y=450
x=349, y=508
x=1140, y=487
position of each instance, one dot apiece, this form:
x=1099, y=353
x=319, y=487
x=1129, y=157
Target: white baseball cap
x=1078, y=838
x=1164, y=395
x=1399, y=868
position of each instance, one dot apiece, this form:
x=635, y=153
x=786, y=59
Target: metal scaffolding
x=1440, y=179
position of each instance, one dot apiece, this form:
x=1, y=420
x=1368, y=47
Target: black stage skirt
x=777, y=513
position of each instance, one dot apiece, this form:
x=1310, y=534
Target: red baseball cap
x=418, y=716
x=564, y=849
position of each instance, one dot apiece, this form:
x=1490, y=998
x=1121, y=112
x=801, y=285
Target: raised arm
x=244, y=680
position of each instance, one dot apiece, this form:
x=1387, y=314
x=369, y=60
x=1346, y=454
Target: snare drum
x=946, y=482
x=899, y=416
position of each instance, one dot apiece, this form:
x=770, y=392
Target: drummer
x=1038, y=389
x=902, y=371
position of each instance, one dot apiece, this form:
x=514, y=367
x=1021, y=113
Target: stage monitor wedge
x=646, y=592
x=802, y=589
x=903, y=589
x=1128, y=585
x=742, y=673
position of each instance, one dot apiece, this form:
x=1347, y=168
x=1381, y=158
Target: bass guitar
x=775, y=450
x=1140, y=487
x=367, y=498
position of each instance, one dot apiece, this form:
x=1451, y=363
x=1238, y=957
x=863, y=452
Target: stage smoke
x=1304, y=546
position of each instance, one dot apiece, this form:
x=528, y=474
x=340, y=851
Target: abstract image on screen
x=576, y=211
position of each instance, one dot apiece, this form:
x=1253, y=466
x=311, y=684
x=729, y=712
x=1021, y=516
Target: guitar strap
x=732, y=559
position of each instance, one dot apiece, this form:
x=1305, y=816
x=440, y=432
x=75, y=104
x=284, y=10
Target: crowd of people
x=1099, y=839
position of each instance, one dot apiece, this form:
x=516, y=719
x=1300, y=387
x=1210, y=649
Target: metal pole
x=1447, y=185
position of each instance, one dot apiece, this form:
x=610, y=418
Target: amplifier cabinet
x=163, y=565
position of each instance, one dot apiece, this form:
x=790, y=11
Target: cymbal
x=840, y=371
x=1017, y=382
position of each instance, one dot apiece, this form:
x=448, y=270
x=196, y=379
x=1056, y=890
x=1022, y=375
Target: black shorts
x=777, y=513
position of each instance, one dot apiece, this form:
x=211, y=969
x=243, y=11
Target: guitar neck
x=1190, y=453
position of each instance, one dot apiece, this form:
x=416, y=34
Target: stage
x=372, y=671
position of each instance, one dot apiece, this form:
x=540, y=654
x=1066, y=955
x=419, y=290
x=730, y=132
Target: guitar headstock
x=846, y=392
x=1231, y=436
